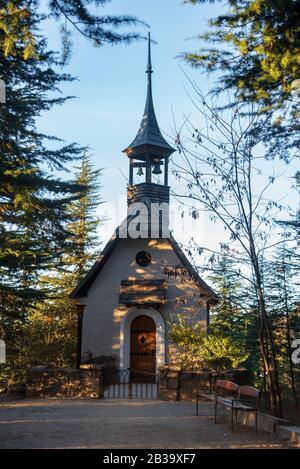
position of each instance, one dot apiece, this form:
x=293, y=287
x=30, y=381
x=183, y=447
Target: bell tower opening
x=148, y=154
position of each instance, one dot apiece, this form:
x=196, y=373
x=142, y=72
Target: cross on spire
x=149, y=67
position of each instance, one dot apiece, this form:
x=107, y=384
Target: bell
x=140, y=171
x=157, y=169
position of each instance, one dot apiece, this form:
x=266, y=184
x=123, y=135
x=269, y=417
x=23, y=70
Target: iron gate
x=129, y=384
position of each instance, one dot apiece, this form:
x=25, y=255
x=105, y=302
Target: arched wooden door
x=143, y=349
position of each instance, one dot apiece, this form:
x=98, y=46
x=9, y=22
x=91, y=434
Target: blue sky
x=111, y=90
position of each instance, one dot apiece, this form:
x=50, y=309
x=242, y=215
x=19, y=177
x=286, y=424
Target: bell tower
x=148, y=155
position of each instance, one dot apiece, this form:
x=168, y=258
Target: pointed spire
x=149, y=133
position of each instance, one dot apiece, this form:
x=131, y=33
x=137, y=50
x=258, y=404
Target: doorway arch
x=125, y=335
x=142, y=348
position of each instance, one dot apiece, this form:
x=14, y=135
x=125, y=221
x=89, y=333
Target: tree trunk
x=266, y=346
x=269, y=357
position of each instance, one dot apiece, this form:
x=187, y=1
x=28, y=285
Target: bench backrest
x=226, y=386
x=248, y=392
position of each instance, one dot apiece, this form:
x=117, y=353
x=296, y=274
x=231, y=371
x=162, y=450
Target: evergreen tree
x=236, y=314
x=282, y=281
x=33, y=200
x=84, y=222
x=72, y=16
x=51, y=329
x=226, y=316
x=255, y=45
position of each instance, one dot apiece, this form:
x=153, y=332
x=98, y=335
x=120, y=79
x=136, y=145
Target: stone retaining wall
x=63, y=382
x=177, y=385
x=168, y=383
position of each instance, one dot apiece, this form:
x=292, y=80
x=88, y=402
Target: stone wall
x=177, y=385
x=168, y=383
x=62, y=382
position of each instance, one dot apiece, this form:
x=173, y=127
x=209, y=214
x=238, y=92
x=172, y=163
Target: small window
x=143, y=258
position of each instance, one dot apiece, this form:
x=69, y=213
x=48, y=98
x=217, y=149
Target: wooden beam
x=166, y=171
x=130, y=171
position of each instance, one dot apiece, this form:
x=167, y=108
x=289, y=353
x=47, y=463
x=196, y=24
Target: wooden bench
x=236, y=398
x=222, y=388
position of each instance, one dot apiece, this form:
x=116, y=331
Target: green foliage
x=256, y=47
x=15, y=28
x=226, y=317
x=221, y=353
x=281, y=279
x=189, y=339
x=47, y=225
x=84, y=223
x=51, y=329
x=47, y=334
x=50, y=334
x=71, y=16
x=236, y=314
x=33, y=200
x=196, y=351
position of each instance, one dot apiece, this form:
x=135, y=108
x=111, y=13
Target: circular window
x=143, y=258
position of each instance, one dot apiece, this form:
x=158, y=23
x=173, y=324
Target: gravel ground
x=73, y=423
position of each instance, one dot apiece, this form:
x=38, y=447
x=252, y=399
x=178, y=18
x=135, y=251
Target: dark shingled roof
x=149, y=133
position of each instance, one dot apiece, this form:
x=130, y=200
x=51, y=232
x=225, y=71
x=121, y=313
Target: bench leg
x=232, y=419
x=256, y=422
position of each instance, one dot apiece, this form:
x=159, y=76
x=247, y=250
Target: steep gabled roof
x=84, y=285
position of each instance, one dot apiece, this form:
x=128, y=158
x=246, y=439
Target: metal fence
x=129, y=384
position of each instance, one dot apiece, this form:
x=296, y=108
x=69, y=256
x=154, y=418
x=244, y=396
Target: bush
x=196, y=350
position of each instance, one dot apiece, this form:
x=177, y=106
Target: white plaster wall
x=103, y=314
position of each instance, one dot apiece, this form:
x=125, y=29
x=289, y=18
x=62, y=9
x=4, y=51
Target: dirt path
x=66, y=423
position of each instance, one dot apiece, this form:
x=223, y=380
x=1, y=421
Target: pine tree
x=51, y=329
x=281, y=280
x=84, y=223
x=225, y=317
x=71, y=16
x=235, y=316
x=33, y=200
x=255, y=46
